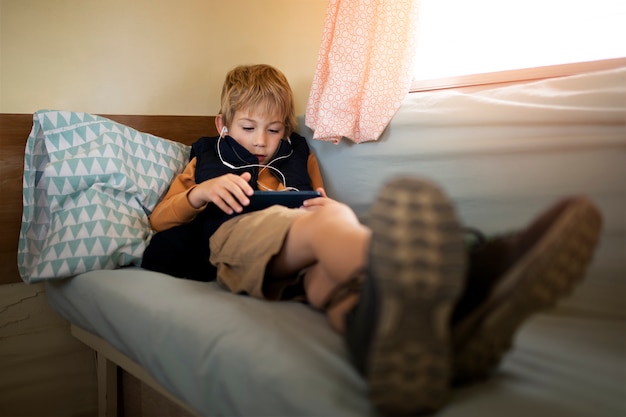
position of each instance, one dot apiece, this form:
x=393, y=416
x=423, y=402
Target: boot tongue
x=488, y=261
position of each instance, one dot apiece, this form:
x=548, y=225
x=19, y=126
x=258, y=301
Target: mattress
x=225, y=354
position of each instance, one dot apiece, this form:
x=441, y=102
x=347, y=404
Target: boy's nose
x=260, y=140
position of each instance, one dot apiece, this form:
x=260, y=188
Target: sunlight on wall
x=458, y=37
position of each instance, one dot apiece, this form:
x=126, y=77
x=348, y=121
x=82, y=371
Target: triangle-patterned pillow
x=89, y=186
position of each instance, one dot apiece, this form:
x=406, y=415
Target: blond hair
x=248, y=86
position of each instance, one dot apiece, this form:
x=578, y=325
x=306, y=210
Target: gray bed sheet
x=231, y=355
x=221, y=353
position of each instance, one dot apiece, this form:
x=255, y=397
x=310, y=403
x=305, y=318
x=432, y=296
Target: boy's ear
x=219, y=123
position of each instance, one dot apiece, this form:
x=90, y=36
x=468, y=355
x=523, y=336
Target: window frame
x=516, y=75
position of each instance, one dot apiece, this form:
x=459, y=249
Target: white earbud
x=224, y=131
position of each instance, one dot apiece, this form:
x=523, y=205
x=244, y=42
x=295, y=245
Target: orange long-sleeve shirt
x=175, y=208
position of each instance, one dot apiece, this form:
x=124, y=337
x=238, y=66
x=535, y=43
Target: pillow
x=89, y=186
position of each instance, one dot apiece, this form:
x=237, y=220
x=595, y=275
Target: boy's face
x=257, y=131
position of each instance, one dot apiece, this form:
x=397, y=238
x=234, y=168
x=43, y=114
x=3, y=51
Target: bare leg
x=332, y=243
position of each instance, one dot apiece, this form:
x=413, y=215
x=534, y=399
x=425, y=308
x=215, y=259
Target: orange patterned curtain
x=364, y=68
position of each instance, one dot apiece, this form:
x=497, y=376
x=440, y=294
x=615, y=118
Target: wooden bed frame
x=124, y=388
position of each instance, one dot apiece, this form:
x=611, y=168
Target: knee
x=332, y=214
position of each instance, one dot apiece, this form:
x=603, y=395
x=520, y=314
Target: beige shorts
x=243, y=246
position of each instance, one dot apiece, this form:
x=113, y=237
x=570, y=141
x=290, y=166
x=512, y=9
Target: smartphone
x=292, y=199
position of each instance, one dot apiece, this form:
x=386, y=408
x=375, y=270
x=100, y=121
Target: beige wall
x=148, y=56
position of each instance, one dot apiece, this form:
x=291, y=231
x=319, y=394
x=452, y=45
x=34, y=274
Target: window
x=458, y=39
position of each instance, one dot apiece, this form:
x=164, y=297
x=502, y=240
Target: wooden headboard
x=14, y=131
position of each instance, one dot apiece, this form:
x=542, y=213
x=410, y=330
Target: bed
x=202, y=351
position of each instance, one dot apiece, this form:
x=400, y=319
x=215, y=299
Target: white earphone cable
x=263, y=167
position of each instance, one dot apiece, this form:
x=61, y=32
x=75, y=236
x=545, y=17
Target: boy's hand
x=229, y=192
x=313, y=203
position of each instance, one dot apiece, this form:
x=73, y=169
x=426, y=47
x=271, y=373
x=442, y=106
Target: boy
x=418, y=313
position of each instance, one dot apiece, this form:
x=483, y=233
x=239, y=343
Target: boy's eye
x=274, y=131
x=247, y=128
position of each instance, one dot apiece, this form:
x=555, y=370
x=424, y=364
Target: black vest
x=183, y=251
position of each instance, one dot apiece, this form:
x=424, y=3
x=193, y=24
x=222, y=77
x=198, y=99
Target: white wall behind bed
x=148, y=56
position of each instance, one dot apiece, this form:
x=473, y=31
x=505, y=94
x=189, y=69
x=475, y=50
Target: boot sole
x=417, y=264
x=546, y=274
